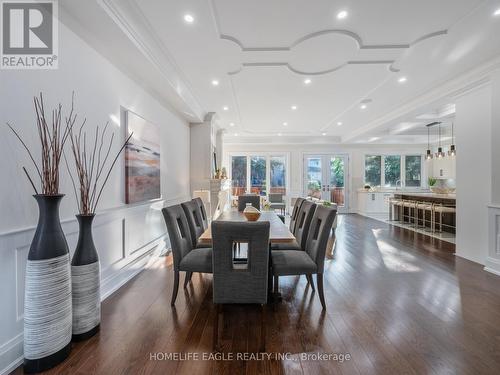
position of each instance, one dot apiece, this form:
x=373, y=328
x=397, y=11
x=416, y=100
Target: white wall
x=125, y=236
x=473, y=169
x=296, y=154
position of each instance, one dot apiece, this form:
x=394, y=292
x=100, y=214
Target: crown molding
x=130, y=19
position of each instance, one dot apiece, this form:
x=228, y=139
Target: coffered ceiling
x=292, y=68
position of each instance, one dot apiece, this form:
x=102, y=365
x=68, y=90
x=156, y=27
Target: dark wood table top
x=279, y=232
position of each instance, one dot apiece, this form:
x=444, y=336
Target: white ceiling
x=261, y=51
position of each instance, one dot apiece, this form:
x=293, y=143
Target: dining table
x=278, y=231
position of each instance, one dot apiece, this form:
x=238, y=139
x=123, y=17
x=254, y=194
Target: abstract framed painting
x=142, y=160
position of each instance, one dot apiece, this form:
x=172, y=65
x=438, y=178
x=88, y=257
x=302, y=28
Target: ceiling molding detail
x=129, y=17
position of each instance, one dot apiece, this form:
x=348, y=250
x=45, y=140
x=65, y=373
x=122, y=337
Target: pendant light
x=428, y=155
x=453, y=150
x=440, y=154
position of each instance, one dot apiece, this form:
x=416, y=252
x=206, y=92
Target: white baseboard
x=492, y=266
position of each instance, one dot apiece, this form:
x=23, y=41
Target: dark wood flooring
x=397, y=303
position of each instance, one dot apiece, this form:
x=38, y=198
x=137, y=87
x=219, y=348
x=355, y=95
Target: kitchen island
x=424, y=218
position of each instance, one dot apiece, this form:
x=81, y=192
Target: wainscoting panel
x=126, y=239
x=493, y=261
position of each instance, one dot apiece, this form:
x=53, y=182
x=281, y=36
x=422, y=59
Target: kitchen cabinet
x=373, y=202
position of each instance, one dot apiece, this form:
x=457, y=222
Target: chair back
x=178, y=232
x=275, y=198
x=203, y=212
x=295, y=213
x=237, y=283
x=248, y=198
x=194, y=219
x=319, y=232
x=304, y=217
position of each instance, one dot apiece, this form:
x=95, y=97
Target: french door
x=327, y=177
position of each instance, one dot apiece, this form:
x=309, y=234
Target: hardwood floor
x=397, y=303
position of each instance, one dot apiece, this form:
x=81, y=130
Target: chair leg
x=187, y=278
x=215, y=340
x=319, y=280
x=263, y=320
x=310, y=281
x=276, y=284
x=176, y=288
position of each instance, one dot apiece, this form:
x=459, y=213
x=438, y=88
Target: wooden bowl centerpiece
x=251, y=213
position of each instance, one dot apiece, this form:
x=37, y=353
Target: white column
x=493, y=261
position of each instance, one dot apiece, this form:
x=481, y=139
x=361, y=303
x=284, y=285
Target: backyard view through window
x=266, y=174
x=393, y=170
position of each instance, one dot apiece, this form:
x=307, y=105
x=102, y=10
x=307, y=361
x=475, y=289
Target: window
x=398, y=171
x=314, y=177
x=239, y=174
x=373, y=167
x=258, y=175
x=413, y=170
x=278, y=176
x=392, y=171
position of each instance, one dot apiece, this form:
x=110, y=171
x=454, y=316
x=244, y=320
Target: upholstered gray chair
x=240, y=283
x=195, y=222
x=248, y=198
x=312, y=260
x=301, y=227
x=186, y=258
x=276, y=201
x=204, y=216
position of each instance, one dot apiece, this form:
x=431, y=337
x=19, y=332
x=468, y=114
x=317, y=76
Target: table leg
x=272, y=297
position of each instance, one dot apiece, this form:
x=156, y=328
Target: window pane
x=413, y=173
x=392, y=170
x=337, y=180
x=373, y=170
x=258, y=175
x=239, y=174
x=314, y=177
x=278, y=176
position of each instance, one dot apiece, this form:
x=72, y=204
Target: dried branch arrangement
x=91, y=158
x=52, y=139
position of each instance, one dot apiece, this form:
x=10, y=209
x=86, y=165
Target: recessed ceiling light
x=342, y=14
x=402, y=80
x=215, y=82
x=294, y=107
x=339, y=123
x=279, y=134
x=188, y=18
x=362, y=106
x=307, y=81
x=225, y=108
x=235, y=134
x=285, y=124
x=323, y=134
x=497, y=12
x=231, y=124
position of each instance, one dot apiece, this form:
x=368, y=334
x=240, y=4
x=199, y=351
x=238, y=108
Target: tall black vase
x=47, y=298
x=85, y=280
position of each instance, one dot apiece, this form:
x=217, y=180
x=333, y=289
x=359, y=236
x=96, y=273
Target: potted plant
x=93, y=168
x=47, y=301
x=432, y=183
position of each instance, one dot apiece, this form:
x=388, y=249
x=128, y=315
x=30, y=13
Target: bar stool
x=410, y=205
x=395, y=203
x=425, y=207
x=441, y=210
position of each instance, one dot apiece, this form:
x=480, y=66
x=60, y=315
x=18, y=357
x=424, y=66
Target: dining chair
x=204, y=216
x=248, y=198
x=235, y=283
x=295, y=213
x=312, y=260
x=276, y=202
x=185, y=257
x=304, y=217
x=195, y=222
